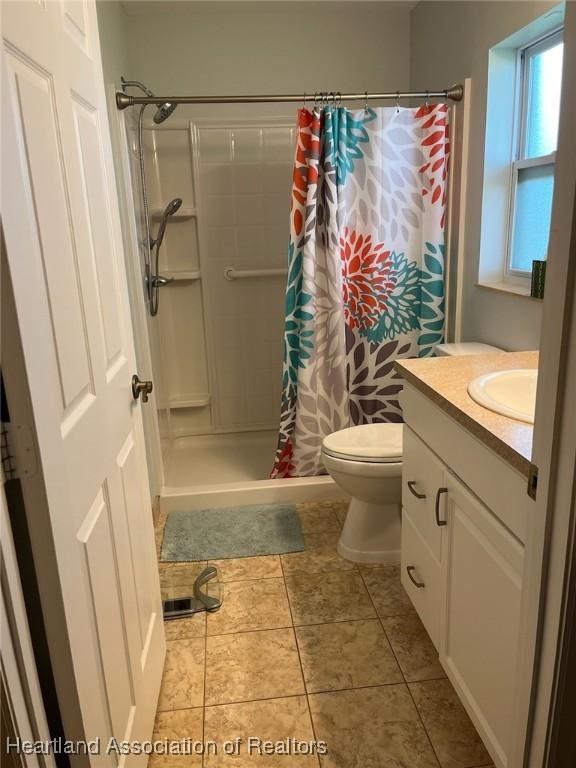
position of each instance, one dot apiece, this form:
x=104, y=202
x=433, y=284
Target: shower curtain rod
x=124, y=100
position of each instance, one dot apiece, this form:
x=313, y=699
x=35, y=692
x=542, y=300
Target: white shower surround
x=217, y=345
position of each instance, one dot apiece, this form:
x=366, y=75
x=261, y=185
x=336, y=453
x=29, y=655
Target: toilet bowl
x=366, y=462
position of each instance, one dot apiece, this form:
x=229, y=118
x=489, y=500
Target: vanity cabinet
x=462, y=566
x=422, y=540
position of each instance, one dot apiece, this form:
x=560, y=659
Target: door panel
x=98, y=545
x=32, y=96
x=74, y=16
x=98, y=220
x=67, y=274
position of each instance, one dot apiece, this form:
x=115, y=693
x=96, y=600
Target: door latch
x=141, y=388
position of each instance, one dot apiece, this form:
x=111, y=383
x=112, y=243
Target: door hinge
x=533, y=481
x=18, y=450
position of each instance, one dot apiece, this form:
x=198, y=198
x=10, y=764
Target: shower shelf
x=182, y=213
x=183, y=275
x=189, y=401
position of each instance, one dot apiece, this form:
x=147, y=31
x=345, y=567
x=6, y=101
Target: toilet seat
x=373, y=443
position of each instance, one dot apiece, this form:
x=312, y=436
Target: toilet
x=366, y=463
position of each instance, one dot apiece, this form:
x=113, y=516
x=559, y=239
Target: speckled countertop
x=445, y=380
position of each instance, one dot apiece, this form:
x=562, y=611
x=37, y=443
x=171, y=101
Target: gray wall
x=113, y=40
x=450, y=41
x=276, y=47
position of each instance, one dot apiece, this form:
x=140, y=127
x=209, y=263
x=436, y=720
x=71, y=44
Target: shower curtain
x=365, y=269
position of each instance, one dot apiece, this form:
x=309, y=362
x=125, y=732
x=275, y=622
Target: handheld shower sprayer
x=170, y=210
x=154, y=279
x=152, y=247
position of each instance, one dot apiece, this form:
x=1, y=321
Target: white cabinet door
x=480, y=623
x=422, y=477
x=64, y=250
x=421, y=578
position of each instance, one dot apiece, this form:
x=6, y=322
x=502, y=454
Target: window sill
x=508, y=288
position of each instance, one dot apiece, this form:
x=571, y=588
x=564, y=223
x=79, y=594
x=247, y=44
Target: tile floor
x=309, y=646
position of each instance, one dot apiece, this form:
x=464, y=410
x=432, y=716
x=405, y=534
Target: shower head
x=163, y=112
x=173, y=206
x=164, y=109
x=170, y=210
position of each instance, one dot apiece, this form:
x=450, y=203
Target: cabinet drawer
x=425, y=570
x=422, y=475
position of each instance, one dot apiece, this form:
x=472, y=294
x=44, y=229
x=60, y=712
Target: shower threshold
x=293, y=490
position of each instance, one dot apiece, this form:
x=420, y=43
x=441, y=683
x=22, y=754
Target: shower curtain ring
x=397, y=102
x=304, y=104
x=333, y=94
x=365, y=101
x=339, y=97
x=427, y=103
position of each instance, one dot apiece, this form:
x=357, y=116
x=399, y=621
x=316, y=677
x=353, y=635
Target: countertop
x=445, y=380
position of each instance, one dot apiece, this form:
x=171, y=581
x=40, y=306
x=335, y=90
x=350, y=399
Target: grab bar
x=239, y=274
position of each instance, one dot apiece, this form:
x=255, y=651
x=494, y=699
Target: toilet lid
x=368, y=442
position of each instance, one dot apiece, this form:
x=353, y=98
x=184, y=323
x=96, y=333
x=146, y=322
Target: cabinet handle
x=409, y=571
x=413, y=491
x=439, y=493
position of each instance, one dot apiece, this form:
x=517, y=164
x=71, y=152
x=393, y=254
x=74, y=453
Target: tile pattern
x=320, y=555
x=310, y=647
x=183, y=680
x=451, y=732
x=322, y=598
x=374, y=727
x=413, y=648
x=175, y=726
x=271, y=720
x=247, y=568
x=349, y=654
x=252, y=665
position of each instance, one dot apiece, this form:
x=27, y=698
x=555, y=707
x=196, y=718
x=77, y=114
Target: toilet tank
x=465, y=348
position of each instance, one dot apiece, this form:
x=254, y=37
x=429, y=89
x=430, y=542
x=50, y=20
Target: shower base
x=228, y=469
x=223, y=458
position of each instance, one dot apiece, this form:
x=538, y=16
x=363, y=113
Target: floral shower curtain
x=365, y=269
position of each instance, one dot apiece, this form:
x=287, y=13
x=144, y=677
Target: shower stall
x=216, y=334
x=212, y=224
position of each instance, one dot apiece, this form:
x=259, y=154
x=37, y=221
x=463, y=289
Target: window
x=540, y=73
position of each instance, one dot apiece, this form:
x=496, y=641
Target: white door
x=63, y=241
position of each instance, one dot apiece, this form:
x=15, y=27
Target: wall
x=450, y=41
x=113, y=41
x=272, y=47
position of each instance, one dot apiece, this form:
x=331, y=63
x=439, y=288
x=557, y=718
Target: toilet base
x=371, y=533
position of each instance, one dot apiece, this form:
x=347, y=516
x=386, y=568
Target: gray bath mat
x=220, y=534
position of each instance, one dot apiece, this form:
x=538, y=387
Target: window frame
x=523, y=57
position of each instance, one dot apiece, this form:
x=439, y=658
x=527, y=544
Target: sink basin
x=510, y=393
